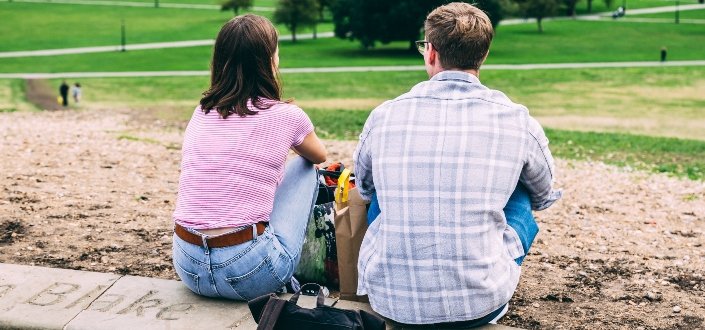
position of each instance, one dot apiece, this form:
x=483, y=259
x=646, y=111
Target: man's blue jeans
x=519, y=217
x=263, y=265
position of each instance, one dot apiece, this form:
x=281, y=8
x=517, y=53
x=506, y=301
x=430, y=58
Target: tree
x=608, y=4
x=296, y=13
x=235, y=5
x=538, y=9
x=570, y=7
x=322, y=5
x=372, y=21
x=493, y=8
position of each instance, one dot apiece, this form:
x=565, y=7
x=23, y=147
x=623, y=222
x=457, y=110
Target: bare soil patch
x=40, y=93
x=622, y=250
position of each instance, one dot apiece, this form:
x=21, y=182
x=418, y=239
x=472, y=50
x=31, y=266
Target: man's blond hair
x=461, y=33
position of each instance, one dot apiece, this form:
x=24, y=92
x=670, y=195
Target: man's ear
x=432, y=55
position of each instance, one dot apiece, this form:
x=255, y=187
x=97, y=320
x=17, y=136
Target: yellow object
x=341, y=192
x=59, y=100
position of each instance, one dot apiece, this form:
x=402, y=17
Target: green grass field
x=687, y=14
x=257, y=3
x=650, y=101
x=339, y=110
x=12, y=96
x=563, y=41
x=599, y=6
x=50, y=26
x=29, y=26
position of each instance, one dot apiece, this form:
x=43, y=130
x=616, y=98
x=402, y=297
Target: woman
x=241, y=216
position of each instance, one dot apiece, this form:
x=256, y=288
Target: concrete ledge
x=49, y=298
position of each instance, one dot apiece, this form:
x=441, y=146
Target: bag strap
x=332, y=174
x=341, y=192
x=372, y=321
x=270, y=314
x=320, y=298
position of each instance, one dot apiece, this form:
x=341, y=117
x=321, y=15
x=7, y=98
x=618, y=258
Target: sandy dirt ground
x=94, y=190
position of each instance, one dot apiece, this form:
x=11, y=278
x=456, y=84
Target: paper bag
x=350, y=228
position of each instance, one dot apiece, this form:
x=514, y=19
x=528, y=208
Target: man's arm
x=538, y=172
x=363, y=161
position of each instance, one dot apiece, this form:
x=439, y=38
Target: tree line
x=384, y=21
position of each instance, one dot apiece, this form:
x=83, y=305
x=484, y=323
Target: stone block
x=46, y=298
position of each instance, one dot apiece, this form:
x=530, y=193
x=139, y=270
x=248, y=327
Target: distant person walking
x=664, y=52
x=76, y=92
x=64, y=91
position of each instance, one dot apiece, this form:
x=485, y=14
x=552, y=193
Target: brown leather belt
x=225, y=240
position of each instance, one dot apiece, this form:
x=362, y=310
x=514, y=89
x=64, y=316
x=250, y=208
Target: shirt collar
x=455, y=75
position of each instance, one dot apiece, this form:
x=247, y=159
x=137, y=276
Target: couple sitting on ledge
x=453, y=169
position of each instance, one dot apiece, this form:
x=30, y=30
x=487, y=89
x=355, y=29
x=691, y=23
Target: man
x=456, y=169
x=64, y=91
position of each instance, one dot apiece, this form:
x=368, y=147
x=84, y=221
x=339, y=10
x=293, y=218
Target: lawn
x=257, y=3
x=12, y=96
x=687, y=14
x=598, y=6
x=29, y=26
x=563, y=41
x=566, y=102
x=339, y=113
x=649, y=101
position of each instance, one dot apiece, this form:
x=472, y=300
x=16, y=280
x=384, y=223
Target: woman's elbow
x=320, y=157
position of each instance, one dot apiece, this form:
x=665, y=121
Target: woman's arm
x=312, y=149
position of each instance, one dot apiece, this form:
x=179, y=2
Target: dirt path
x=94, y=190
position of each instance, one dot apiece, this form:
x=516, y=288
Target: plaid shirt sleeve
x=538, y=172
x=363, y=162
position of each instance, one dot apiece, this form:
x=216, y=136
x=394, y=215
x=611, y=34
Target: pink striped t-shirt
x=231, y=167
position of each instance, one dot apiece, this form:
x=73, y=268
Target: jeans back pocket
x=262, y=279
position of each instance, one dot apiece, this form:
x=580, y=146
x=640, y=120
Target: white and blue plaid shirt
x=444, y=159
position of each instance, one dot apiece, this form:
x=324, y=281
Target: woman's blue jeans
x=265, y=264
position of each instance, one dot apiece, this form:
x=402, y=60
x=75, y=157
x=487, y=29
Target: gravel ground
x=94, y=190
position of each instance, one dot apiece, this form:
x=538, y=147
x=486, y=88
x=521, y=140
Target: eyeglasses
x=421, y=46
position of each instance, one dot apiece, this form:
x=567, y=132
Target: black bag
x=272, y=313
x=326, y=193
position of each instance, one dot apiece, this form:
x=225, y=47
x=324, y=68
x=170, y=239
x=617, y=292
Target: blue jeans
x=265, y=264
x=519, y=217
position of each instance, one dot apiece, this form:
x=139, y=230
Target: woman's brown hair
x=243, y=68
